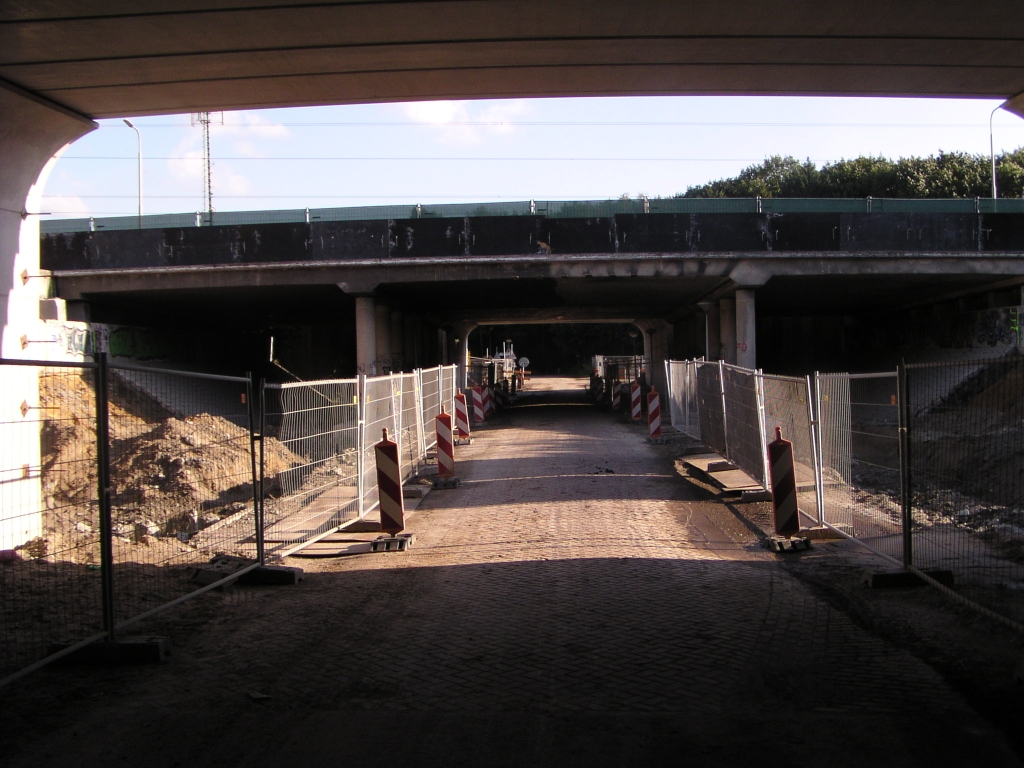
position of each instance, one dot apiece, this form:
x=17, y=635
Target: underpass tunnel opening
x=563, y=349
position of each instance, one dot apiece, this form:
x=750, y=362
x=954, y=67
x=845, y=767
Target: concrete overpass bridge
x=694, y=275
x=65, y=62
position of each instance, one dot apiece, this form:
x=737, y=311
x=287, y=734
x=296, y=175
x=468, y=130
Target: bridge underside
x=107, y=59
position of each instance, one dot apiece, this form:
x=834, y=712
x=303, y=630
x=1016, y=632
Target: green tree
x=946, y=175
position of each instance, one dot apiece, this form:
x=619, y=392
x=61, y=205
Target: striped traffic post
x=616, y=395
x=445, y=445
x=783, y=479
x=654, y=413
x=461, y=417
x=478, y=405
x=389, y=486
x=488, y=401
x=634, y=396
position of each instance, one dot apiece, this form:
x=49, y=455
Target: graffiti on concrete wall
x=985, y=328
x=141, y=343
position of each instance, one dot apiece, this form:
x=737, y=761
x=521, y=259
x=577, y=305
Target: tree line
x=945, y=175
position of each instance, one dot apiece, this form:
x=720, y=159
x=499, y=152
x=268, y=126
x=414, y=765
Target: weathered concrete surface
x=576, y=602
x=169, y=56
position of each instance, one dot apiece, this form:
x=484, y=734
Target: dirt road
x=576, y=603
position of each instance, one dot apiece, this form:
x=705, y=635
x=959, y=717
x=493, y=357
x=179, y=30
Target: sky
x=477, y=151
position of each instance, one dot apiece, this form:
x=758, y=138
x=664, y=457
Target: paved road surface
x=575, y=603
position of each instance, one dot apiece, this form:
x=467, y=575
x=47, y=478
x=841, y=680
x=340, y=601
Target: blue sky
x=543, y=149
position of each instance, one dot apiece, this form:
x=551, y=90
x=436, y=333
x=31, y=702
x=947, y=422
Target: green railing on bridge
x=564, y=209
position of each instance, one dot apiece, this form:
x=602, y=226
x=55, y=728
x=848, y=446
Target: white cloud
x=227, y=181
x=466, y=122
x=247, y=129
x=65, y=205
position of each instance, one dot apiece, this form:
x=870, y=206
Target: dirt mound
x=168, y=474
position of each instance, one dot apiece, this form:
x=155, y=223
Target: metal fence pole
x=103, y=483
x=725, y=413
x=421, y=448
x=360, y=440
x=906, y=501
x=396, y=413
x=814, y=413
x=668, y=390
x=761, y=422
x=257, y=484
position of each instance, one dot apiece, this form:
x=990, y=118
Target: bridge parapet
x=483, y=237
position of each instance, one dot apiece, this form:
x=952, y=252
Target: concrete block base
x=272, y=575
x=788, y=544
x=128, y=650
x=398, y=543
x=446, y=483
x=219, y=568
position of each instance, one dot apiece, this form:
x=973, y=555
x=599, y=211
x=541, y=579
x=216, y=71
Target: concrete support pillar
x=659, y=339
x=442, y=346
x=727, y=324
x=397, y=349
x=409, y=335
x=33, y=132
x=419, y=348
x=366, y=336
x=462, y=350
x=382, y=326
x=746, y=329
x=712, y=330
x=647, y=345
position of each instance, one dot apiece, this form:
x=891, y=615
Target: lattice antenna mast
x=204, y=119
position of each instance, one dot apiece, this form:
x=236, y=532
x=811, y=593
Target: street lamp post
x=992, y=150
x=139, y=135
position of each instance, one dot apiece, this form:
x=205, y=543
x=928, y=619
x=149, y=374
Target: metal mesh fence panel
x=310, y=460
x=787, y=406
x=744, y=433
x=966, y=482
x=182, y=473
x=431, y=403
x=448, y=374
x=478, y=373
x=413, y=429
x=50, y=589
x=682, y=377
x=711, y=407
x=860, y=456
x=380, y=408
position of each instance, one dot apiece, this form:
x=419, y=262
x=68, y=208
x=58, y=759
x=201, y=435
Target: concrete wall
x=32, y=132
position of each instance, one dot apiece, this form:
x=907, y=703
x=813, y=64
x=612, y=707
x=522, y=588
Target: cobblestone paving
x=573, y=603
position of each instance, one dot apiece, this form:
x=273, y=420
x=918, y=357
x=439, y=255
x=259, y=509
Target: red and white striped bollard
x=654, y=413
x=478, y=405
x=389, y=486
x=783, y=480
x=461, y=417
x=634, y=396
x=445, y=445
